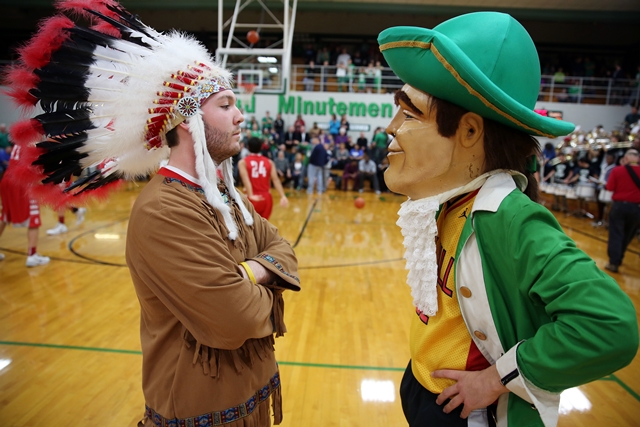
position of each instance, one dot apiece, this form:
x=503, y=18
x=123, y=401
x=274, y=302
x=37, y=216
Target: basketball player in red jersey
x=20, y=210
x=257, y=172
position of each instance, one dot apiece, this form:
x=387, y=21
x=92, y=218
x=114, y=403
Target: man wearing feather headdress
x=209, y=272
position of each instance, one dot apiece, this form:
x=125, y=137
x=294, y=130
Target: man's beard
x=219, y=144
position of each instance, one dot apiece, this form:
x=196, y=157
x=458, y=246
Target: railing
x=267, y=78
x=590, y=90
x=358, y=79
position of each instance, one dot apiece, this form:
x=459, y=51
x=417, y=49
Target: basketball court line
x=594, y=237
x=306, y=221
x=93, y=260
x=612, y=377
x=621, y=383
x=53, y=258
x=89, y=260
x=316, y=267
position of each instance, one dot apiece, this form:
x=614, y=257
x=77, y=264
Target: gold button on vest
x=465, y=292
x=480, y=335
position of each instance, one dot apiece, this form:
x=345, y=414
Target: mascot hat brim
x=484, y=62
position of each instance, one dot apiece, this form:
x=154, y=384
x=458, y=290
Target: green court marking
x=70, y=347
x=611, y=377
x=352, y=367
x=136, y=352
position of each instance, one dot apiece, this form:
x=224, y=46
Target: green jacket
x=538, y=304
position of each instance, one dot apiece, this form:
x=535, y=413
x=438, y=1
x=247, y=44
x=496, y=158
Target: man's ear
x=184, y=125
x=470, y=130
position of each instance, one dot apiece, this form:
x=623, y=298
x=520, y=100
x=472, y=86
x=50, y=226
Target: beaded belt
x=220, y=417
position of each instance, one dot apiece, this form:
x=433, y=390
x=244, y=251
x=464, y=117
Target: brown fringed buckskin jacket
x=206, y=333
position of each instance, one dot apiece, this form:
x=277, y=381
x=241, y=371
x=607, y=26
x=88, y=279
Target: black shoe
x=611, y=267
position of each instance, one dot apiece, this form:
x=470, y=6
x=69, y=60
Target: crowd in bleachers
x=361, y=68
x=346, y=164
x=575, y=170
x=363, y=54
x=585, y=80
x=358, y=68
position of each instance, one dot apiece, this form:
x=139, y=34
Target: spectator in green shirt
x=4, y=137
x=255, y=131
x=559, y=76
x=575, y=91
x=379, y=145
x=267, y=121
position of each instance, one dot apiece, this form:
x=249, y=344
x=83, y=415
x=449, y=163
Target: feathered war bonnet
x=105, y=98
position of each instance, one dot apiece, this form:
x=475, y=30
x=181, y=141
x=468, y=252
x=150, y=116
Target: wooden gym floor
x=69, y=343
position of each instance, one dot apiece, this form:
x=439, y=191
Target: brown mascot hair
x=504, y=147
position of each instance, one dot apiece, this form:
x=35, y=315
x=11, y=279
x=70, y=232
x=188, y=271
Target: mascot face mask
x=467, y=61
x=419, y=157
x=422, y=162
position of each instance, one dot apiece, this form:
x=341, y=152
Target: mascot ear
x=470, y=130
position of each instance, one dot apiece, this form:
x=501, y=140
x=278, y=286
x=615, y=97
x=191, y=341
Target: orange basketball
x=253, y=37
x=359, y=202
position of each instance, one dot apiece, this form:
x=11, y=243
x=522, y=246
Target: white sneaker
x=80, y=215
x=378, y=192
x=36, y=259
x=1, y=257
x=58, y=229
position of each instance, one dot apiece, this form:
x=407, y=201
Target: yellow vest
x=443, y=341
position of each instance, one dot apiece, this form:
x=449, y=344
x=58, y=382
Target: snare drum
x=586, y=191
x=605, y=196
x=571, y=193
x=543, y=186
x=560, y=189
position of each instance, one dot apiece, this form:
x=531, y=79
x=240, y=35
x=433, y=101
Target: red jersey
x=17, y=207
x=623, y=187
x=259, y=171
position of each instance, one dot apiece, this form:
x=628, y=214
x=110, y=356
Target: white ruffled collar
x=417, y=221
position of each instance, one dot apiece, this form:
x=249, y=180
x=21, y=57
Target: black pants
x=421, y=410
x=371, y=177
x=624, y=220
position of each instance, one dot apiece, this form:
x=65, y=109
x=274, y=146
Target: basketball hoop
x=245, y=93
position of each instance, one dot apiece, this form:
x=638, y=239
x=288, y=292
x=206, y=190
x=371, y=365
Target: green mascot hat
x=485, y=62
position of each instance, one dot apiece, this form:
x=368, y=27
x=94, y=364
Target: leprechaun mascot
x=508, y=312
